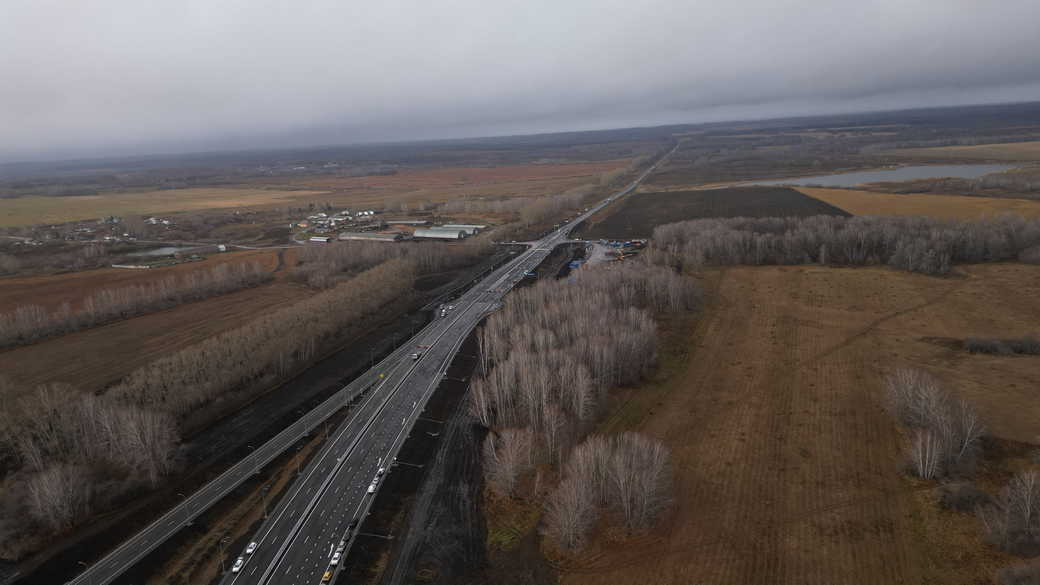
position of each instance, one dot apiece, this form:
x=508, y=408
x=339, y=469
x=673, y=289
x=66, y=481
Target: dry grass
x=444, y=184
x=859, y=202
x=1011, y=151
x=787, y=464
x=34, y=210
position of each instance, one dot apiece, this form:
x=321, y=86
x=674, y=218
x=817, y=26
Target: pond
x=164, y=251
x=897, y=174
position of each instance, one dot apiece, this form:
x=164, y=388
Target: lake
x=899, y=174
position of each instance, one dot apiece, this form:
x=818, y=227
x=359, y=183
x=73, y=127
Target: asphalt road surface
x=297, y=541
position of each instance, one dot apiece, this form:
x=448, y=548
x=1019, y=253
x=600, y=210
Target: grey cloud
x=97, y=76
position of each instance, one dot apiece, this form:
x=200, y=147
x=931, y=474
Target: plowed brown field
x=1000, y=151
x=94, y=358
x=787, y=466
x=52, y=290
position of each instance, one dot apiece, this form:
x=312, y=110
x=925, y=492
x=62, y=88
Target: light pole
x=85, y=567
x=223, y=542
x=184, y=498
x=256, y=464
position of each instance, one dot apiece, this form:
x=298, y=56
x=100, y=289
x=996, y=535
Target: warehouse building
x=470, y=229
x=440, y=233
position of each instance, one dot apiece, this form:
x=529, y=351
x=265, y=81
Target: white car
x=238, y=565
x=335, y=559
x=381, y=471
x=250, y=548
x=372, y=488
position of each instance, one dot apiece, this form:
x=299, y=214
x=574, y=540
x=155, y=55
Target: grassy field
x=638, y=215
x=410, y=186
x=949, y=206
x=787, y=466
x=20, y=211
x=1010, y=151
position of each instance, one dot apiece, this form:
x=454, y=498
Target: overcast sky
x=95, y=77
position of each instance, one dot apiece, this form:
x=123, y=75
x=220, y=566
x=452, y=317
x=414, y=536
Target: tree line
x=915, y=244
x=319, y=266
x=547, y=361
x=266, y=348
x=31, y=323
x=78, y=451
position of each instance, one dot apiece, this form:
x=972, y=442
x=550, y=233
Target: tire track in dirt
x=875, y=323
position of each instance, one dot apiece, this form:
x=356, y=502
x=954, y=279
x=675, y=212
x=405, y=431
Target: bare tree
x=947, y=431
x=629, y=472
x=1013, y=522
x=59, y=495
x=506, y=457
x=570, y=512
x=926, y=454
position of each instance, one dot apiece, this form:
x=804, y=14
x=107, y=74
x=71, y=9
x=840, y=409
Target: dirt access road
x=787, y=466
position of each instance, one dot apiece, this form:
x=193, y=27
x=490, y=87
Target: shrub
x=1022, y=575
x=1021, y=346
x=1012, y=523
x=962, y=497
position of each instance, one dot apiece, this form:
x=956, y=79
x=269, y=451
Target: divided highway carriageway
x=296, y=544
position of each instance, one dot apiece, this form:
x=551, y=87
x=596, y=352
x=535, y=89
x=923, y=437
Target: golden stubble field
x=858, y=202
x=23, y=211
x=411, y=186
x=787, y=465
x=407, y=186
x=1009, y=151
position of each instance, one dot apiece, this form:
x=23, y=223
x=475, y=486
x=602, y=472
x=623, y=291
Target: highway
x=295, y=544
